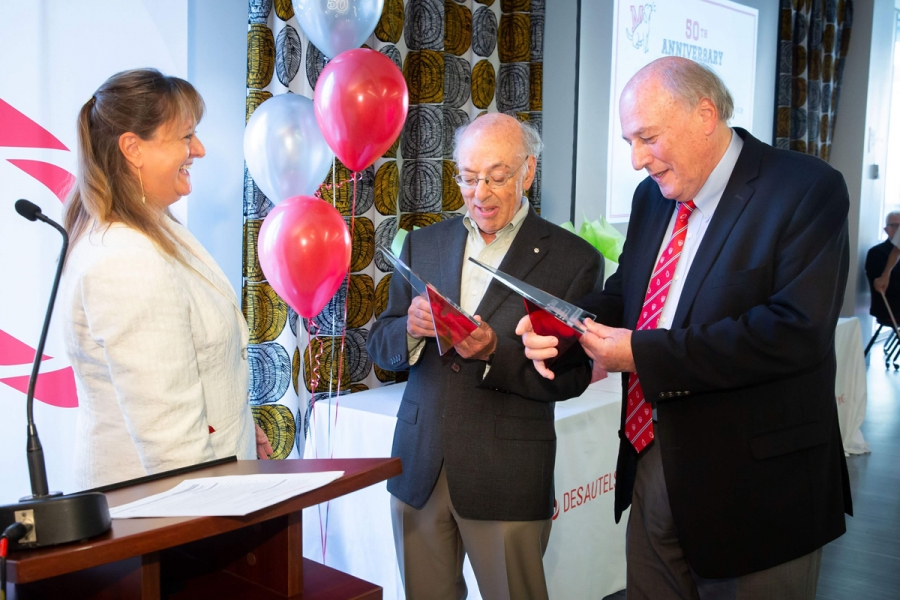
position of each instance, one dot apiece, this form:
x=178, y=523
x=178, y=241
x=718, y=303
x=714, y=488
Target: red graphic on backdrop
x=56, y=388
x=14, y=352
x=19, y=131
x=58, y=180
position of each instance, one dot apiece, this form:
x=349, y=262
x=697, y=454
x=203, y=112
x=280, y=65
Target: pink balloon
x=304, y=251
x=361, y=102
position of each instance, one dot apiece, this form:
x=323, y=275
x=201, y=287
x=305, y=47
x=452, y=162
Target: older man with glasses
x=475, y=429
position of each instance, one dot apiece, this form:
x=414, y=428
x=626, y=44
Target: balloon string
x=332, y=186
x=337, y=396
x=344, y=320
x=314, y=376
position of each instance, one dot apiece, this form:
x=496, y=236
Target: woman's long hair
x=106, y=190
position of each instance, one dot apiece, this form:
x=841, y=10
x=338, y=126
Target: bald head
x=686, y=80
x=523, y=136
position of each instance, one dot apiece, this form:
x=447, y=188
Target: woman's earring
x=141, y=180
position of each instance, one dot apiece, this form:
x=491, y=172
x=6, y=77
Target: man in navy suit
x=721, y=319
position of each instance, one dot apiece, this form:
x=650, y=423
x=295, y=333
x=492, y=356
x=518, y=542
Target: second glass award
x=550, y=316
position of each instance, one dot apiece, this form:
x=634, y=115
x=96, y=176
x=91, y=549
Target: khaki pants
x=431, y=542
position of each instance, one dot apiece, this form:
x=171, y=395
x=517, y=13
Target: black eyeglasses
x=494, y=180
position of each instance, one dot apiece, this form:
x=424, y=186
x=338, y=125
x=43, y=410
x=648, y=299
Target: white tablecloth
x=850, y=386
x=586, y=554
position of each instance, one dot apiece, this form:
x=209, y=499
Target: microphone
x=29, y=210
x=53, y=518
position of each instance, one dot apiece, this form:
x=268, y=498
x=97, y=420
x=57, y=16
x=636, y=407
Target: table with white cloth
x=586, y=554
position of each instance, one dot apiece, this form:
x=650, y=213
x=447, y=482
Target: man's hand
x=480, y=344
x=537, y=347
x=881, y=284
x=609, y=347
x=263, y=447
x=419, y=323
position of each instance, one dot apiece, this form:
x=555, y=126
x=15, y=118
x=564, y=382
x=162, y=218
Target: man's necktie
x=638, y=419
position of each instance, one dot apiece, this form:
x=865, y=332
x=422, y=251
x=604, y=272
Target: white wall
x=217, y=66
x=860, y=138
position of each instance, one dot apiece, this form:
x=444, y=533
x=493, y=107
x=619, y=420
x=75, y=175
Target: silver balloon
x=336, y=26
x=284, y=148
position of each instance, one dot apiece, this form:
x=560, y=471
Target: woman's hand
x=263, y=447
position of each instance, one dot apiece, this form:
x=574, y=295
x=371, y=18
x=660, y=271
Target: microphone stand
x=50, y=518
x=37, y=469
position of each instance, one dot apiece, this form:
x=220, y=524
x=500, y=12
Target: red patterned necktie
x=638, y=420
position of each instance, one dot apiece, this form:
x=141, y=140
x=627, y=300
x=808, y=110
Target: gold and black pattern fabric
x=278, y=423
x=390, y=26
x=260, y=56
x=460, y=59
x=265, y=311
x=813, y=38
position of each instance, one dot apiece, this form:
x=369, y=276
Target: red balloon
x=304, y=251
x=361, y=102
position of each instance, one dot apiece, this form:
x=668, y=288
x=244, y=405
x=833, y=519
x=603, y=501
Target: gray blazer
x=494, y=434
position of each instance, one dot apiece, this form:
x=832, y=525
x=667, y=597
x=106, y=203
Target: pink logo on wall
x=57, y=387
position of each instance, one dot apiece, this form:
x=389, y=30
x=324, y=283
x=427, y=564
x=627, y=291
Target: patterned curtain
x=813, y=38
x=461, y=59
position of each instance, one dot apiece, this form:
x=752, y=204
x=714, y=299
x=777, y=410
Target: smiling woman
x=153, y=329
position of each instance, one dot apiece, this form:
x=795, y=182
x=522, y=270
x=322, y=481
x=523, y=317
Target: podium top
x=129, y=538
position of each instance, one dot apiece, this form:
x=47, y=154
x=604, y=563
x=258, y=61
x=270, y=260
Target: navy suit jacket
x=743, y=382
x=494, y=434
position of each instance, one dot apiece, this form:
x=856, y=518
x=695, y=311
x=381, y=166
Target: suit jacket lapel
x=454, y=244
x=520, y=259
x=734, y=199
x=212, y=278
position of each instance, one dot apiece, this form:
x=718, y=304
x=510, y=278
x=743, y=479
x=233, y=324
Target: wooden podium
x=257, y=556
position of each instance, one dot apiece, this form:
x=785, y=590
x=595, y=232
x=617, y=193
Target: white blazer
x=159, y=351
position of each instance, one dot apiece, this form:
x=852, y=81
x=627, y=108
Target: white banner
x=718, y=33
x=53, y=55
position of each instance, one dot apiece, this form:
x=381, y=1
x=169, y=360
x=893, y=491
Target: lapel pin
x=536, y=250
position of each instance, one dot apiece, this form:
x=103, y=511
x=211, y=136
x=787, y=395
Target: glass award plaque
x=451, y=323
x=550, y=316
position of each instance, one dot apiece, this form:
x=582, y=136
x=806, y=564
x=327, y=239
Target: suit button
x=662, y=394
x=455, y=367
x=244, y=353
x=671, y=394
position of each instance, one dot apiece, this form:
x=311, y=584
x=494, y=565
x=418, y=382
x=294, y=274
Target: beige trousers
x=431, y=542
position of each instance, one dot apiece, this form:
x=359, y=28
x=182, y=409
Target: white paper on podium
x=228, y=496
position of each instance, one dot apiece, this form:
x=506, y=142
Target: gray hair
x=887, y=217
x=692, y=81
x=531, y=139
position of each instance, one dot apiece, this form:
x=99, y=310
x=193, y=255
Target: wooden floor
x=865, y=562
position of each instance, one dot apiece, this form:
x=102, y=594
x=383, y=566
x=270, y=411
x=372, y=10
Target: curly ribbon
x=336, y=186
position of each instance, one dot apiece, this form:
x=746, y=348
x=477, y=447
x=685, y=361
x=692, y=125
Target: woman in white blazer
x=152, y=327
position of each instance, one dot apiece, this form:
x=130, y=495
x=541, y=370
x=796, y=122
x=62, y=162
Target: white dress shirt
x=706, y=200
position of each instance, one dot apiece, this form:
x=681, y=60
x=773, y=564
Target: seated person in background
x=475, y=430
x=880, y=263
x=152, y=327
